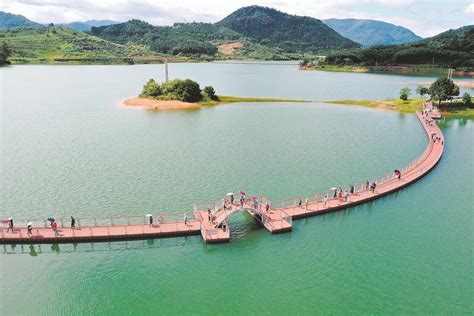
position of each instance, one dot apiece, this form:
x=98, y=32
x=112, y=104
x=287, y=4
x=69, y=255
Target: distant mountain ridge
x=372, y=32
x=9, y=21
x=288, y=32
x=259, y=27
x=453, y=48
x=86, y=26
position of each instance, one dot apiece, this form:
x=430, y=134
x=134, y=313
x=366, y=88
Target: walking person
x=209, y=214
x=150, y=218
x=335, y=193
x=241, y=201
x=367, y=184
x=29, y=228
x=300, y=204
x=267, y=207
x=346, y=196
x=10, y=225
x=373, y=186
x=185, y=220
x=306, y=204
x=326, y=200
x=339, y=196
x=232, y=199
x=352, y=189
x=54, y=227
x=73, y=223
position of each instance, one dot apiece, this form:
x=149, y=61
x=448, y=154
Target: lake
x=69, y=148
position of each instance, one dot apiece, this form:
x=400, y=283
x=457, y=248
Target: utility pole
x=450, y=73
x=166, y=70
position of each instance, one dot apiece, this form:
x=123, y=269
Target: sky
x=424, y=17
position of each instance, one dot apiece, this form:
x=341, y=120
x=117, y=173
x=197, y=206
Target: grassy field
x=409, y=106
x=228, y=99
x=45, y=44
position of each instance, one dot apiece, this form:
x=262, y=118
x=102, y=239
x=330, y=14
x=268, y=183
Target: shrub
x=151, y=89
x=210, y=92
x=183, y=90
x=404, y=93
x=466, y=98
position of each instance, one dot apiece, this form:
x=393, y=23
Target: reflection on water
x=116, y=246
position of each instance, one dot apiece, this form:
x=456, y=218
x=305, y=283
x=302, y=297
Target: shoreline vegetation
x=185, y=94
x=409, y=106
x=406, y=69
x=154, y=104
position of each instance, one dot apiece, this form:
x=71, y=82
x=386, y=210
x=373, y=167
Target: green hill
x=181, y=38
x=371, y=32
x=453, y=48
x=44, y=44
x=9, y=21
x=291, y=33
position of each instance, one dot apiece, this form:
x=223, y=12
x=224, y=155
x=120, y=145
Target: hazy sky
x=424, y=17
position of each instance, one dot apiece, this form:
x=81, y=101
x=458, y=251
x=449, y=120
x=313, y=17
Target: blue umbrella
x=50, y=219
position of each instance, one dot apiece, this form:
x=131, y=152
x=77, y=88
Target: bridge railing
x=103, y=220
x=358, y=187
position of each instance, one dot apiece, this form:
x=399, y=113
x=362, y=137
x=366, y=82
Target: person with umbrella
x=29, y=228
x=73, y=223
x=398, y=174
x=51, y=220
x=150, y=219
x=231, y=196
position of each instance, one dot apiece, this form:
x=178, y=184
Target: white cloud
x=470, y=9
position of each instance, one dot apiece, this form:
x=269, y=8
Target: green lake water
x=68, y=148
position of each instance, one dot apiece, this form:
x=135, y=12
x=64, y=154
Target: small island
x=444, y=92
x=185, y=95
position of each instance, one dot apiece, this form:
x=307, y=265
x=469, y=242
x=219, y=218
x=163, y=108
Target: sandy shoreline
x=151, y=104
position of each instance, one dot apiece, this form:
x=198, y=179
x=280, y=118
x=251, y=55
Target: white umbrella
x=333, y=188
x=29, y=224
x=148, y=215
x=229, y=194
x=9, y=218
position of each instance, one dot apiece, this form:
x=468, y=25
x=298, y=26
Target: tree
x=466, y=98
x=4, y=53
x=422, y=91
x=404, y=93
x=210, y=92
x=443, y=89
x=183, y=90
x=151, y=89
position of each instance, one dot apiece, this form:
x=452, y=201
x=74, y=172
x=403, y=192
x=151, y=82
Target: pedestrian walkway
x=210, y=219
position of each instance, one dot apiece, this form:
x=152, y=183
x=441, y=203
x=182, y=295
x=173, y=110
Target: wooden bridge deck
x=276, y=220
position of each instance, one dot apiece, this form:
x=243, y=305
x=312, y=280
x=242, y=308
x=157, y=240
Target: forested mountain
x=87, y=25
x=185, y=38
x=453, y=48
x=289, y=32
x=9, y=21
x=372, y=32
